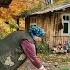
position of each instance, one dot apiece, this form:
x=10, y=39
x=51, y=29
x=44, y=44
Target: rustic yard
x=51, y=62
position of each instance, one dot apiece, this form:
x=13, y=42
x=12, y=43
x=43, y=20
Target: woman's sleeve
x=30, y=51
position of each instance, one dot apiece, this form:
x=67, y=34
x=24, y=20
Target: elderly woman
x=18, y=43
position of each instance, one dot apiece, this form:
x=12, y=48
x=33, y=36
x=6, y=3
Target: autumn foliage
x=8, y=21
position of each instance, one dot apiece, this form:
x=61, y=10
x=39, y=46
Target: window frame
x=65, y=21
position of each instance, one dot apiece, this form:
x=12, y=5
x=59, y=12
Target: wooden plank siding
x=60, y=39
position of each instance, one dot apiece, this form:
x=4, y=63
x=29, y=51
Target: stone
x=11, y=52
x=9, y=61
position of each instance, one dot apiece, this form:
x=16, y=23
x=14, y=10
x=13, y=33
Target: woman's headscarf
x=36, y=31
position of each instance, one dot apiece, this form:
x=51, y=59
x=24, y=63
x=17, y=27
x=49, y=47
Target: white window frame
x=65, y=21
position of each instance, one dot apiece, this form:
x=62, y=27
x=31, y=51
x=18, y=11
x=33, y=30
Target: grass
x=65, y=68
x=62, y=60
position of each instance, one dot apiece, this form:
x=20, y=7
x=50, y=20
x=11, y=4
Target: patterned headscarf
x=36, y=31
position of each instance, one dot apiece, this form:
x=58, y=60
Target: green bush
x=65, y=68
x=41, y=48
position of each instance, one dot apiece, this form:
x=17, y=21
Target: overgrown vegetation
x=7, y=27
x=42, y=49
x=65, y=68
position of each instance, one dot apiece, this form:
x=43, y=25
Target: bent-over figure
x=18, y=46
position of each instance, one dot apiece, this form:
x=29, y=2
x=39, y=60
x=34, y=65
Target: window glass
x=67, y=17
x=64, y=17
x=65, y=30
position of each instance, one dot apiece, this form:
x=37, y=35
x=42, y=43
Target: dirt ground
x=51, y=62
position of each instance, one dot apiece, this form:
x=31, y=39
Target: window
x=66, y=24
x=66, y=17
x=65, y=29
x=48, y=1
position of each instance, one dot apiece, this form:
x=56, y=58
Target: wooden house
x=56, y=22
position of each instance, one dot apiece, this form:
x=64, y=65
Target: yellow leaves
x=6, y=29
x=18, y=6
x=4, y=13
x=12, y=23
x=5, y=16
x=21, y=24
